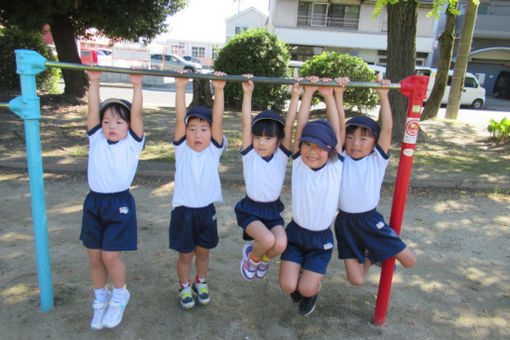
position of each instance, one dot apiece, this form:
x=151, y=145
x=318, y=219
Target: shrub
x=332, y=65
x=260, y=53
x=13, y=38
x=500, y=130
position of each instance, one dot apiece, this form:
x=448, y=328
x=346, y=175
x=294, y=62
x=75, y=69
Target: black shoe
x=307, y=305
x=296, y=296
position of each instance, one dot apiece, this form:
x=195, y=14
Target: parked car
x=473, y=94
x=90, y=56
x=172, y=62
x=502, y=85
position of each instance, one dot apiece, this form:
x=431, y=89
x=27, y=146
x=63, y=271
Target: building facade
x=311, y=27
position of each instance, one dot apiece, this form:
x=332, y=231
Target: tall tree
x=446, y=42
x=461, y=61
x=68, y=19
x=401, y=58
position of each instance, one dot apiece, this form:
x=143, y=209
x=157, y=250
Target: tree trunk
x=62, y=32
x=201, y=93
x=446, y=41
x=402, y=20
x=463, y=49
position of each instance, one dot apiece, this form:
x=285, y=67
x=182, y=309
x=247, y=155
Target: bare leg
x=98, y=271
x=116, y=267
x=406, y=258
x=263, y=238
x=356, y=272
x=289, y=276
x=280, y=242
x=184, y=266
x=202, y=261
x=309, y=283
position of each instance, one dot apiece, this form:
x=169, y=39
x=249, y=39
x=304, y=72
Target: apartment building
x=346, y=26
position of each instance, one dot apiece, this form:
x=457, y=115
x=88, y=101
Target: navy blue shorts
x=109, y=221
x=269, y=213
x=192, y=227
x=311, y=249
x=356, y=233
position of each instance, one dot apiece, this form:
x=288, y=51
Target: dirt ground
x=460, y=287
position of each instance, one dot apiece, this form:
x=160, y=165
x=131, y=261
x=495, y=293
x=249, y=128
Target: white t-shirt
x=197, y=181
x=264, y=177
x=361, y=181
x=112, y=166
x=315, y=193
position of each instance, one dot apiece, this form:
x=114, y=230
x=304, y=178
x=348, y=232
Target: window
x=240, y=29
x=198, y=52
x=328, y=15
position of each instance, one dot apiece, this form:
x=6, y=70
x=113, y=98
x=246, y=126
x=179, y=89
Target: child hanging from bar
x=265, y=153
x=199, y=143
x=363, y=237
x=316, y=176
x=115, y=131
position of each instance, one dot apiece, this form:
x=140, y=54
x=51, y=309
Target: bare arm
x=331, y=112
x=386, y=117
x=291, y=115
x=218, y=107
x=248, y=87
x=304, y=110
x=137, y=105
x=180, y=107
x=94, y=100
x=339, y=100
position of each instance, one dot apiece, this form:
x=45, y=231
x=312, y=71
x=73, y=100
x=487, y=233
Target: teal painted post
x=30, y=63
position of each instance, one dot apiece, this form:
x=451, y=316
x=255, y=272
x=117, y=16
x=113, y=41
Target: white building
x=346, y=26
x=245, y=20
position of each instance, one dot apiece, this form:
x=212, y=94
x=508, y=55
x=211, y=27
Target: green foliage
x=437, y=7
x=500, y=130
x=260, y=53
x=126, y=19
x=15, y=38
x=333, y=64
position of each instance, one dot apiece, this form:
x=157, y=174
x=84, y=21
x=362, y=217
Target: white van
x=472, y=94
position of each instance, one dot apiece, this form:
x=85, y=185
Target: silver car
x=172, y=62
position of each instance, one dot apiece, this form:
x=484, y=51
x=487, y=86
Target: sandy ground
x=460, y=287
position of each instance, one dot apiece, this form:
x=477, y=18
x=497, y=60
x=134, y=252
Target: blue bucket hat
x=200, y=112
x=111, y=101
x=319, y=132
x=366, y=122
x=271, y=115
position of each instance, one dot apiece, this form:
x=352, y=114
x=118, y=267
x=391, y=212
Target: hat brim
x=255, y=120
x=366, y=126
x=316, y=141
x=110, y=101
x=197, y=115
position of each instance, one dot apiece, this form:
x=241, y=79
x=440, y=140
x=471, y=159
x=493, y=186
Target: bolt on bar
x=228, y=77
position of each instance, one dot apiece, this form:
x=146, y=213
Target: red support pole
x=414, y=88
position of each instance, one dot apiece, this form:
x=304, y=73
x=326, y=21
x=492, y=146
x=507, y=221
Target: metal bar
x=228, y=77
x=4, y=105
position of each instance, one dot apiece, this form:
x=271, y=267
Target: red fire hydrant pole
x=414, y=88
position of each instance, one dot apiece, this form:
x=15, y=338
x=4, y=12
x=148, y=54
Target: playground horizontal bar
x=6, y=105
x=228, y=77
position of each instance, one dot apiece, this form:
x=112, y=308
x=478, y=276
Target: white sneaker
x=186, y=297
x=116, y=308
x=100, y=308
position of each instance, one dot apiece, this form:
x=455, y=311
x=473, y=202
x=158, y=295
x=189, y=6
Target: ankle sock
x=253, y=259
x=264, y=258
x=185, y=284
x=101, y=294
x=200, y=280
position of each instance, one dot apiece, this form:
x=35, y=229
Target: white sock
x=101, y=294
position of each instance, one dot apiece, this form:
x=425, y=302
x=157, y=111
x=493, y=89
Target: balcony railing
x=321, y=20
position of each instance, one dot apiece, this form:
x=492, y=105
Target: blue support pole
x=30, y=63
